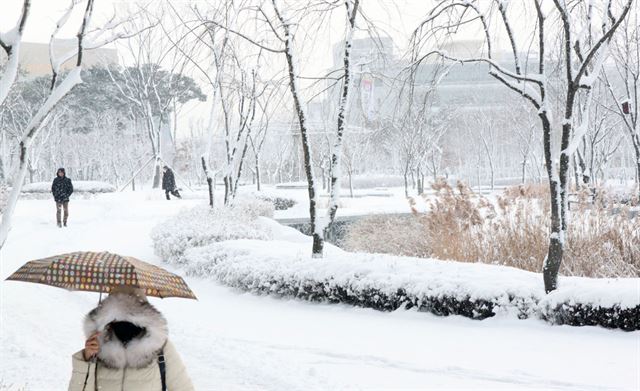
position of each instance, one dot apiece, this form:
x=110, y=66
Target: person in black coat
x=169, y=183
x=61, y=188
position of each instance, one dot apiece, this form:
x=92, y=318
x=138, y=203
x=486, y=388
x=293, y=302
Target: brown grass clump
x=603, y=238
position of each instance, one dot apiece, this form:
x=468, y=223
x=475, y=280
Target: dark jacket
x=168, y=180
x=62, y=188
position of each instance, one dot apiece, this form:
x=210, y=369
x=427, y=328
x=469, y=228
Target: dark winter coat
x=62, y=188
x=168, y=180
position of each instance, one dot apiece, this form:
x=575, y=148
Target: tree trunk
x=406, y=185
x=351, y=183
x=583, y=178
x=318, y=234
x=636, y=148
x=258, y=172
x=336, y=158
x=638, y=177
x=227, y=189
x=558, y=194
x=209, y=180
x=156, y=175
x=240, y=165
x=18, y=180
x=3, y=178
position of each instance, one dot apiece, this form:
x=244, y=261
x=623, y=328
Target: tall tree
x=585, y=33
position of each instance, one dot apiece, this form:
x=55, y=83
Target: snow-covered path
x=235, y=341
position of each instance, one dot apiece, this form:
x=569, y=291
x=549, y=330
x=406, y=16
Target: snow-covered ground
x=237, y=341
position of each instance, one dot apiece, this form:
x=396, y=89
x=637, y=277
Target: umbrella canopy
x=101, y=272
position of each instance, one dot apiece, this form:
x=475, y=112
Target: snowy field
x=237, y=341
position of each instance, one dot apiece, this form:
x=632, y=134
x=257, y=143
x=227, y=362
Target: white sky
x=396, y=18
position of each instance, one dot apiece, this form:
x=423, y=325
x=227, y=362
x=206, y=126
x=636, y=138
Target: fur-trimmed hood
x=141, y=350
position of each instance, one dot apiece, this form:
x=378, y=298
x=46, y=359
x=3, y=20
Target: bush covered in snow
x=253, y=206
x=91, y=187
x=603, y=239
x=279, y=203
x=202, y=225
x=387, y=283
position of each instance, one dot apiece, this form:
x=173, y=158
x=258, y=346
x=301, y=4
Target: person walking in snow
x=169, y=183
x=61, y=188
x=127, y=348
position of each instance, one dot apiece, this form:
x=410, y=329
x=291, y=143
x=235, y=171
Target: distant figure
x=62, y=188
x=169, y=183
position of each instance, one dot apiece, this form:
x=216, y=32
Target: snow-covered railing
x=78, y=187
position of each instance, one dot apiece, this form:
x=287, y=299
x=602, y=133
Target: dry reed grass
x=603, y=239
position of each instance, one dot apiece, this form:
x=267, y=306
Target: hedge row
x=251, y=271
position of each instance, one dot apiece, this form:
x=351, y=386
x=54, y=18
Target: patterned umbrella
x=100, y=272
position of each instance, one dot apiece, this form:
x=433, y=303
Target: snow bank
x=78, y=187
x=201, y=225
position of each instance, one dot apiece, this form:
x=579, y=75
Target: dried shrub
x=390, y=234
x=603, y=239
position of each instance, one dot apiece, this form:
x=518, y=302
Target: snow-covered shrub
x=388, y=283
x=279, y=203
x=253, y=206
x=78, y=187
x=201, y=226
x=376, y=281
x=603, y=239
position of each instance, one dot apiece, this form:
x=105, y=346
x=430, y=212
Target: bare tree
x=357, y=144
x=600, y=143
x=623, y=82
x=268, y=105
x=586, y=32
x=283, y=30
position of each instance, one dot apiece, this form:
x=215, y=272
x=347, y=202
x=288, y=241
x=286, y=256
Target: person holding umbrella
x=127, y=346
